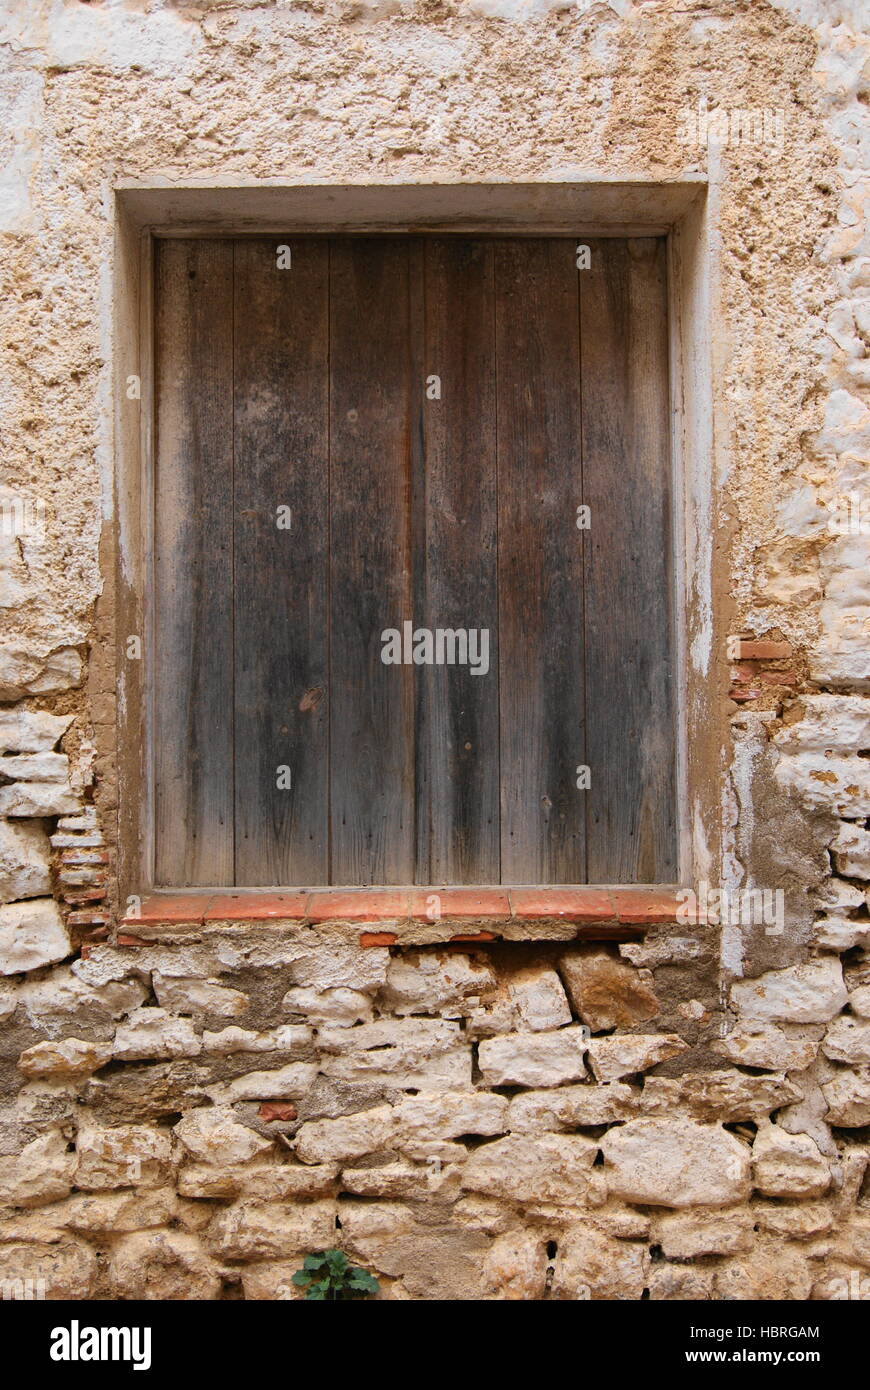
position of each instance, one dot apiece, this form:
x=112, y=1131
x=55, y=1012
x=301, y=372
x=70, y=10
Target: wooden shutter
x=305, y=389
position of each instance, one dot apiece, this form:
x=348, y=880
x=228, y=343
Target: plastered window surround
x=678, y=210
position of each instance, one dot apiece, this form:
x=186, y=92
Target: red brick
x=646, y=905
x=277, y=1110
x=362, y=905
x=752, y=650
x=87, y=918
x=182, y=907
x=570, y=904
x=461, y=902
x=475, y=936
x=84, y=895
x=127, y=939
x=740, y=694
x=82, y=876
x=255, y=907
x=378, y=938
x=778, y=677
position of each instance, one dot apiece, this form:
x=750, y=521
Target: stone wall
x=676, y=1117
x=198, y=1111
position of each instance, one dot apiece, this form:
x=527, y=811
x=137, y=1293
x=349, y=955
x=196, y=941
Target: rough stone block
x=289, y=1082
x=448, y=1115
x=675, y=1163
x=213, y=1135
x=540, y=1168
x=37, y=799
x=848, y=1040
x=387, y=1067
x=340, y=1007
x=823, y=722
x=32, y=934
x=606, y=991
x=125, y=1156
x=23, y=673
x=152, y=1033
x=429, y=982
x=118, y=1213
x=346, y=1137
x=539, y=998
x=64, y=1271
x=836, y=933
x=164, y=1265
x=42, y=1172
x=270, y=1230
x=515, y=1268
x=790, y=1047
x=35, y=767
x=809, y=993
x=65, y=1057
x=848, y=1098
x=592, y=1265
x=629, y=1053
x=189, y=995
x=31, y=731
x=839, y=785
x=24, y=861
x=686, y=1235
x=851, y=850
x=566, y=1107
x=534, y=1059
x=788, y=1165
x=401, y=1181
x=766, y=1272
x=726, y=1096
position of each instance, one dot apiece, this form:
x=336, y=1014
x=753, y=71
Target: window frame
x=676, y=210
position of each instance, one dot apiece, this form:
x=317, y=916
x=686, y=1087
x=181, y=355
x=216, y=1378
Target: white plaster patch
x=20, y=118
x=110, y=35
x=519, y=11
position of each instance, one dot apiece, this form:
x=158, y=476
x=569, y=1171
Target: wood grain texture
x=193, y=657
x=629, y=573
x=458, y=800
x=305, y=388
x=371, y=704
x=281, y=392
x=540, y=563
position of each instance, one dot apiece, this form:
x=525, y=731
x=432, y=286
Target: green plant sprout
x=328, y=1276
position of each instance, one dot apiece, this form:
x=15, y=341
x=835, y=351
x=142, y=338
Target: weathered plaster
x=773, y=428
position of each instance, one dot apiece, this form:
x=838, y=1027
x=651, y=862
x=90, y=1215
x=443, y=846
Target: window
x=413, y=571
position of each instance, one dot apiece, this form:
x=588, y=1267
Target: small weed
x=327, y=1276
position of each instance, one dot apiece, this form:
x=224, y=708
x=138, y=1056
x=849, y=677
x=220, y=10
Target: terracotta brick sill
x=457, y=914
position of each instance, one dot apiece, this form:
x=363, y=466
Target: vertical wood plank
x=419, y=407
x=629, y=575
x=281, y=572
x=460, y=789
x=540, y=562
x=193, y=696
x=371, y=704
